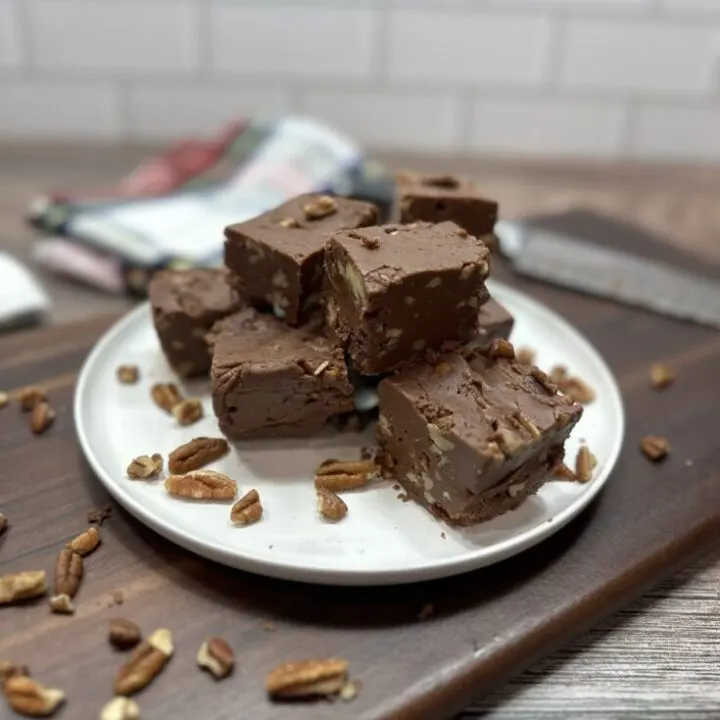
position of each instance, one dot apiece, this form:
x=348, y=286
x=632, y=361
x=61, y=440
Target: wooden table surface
x=657, y=658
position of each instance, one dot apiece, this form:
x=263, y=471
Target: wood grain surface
x=487, y=626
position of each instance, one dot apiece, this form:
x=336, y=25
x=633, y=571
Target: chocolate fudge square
x=395, y=291
x=271, y=380
x=185, y=305
x=472, y=439
x=276, y=259
x=436, y=198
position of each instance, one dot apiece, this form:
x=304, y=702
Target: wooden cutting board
x=486, y=626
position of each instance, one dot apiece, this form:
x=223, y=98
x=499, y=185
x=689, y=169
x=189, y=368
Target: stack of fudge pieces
x=317, y=300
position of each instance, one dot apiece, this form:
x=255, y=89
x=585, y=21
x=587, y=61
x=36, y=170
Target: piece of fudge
x=395, y=291
x=276, y=259
x=436, y=198
x=494, y=321
x=472, y=438
x=185, y=305
x=272, y=380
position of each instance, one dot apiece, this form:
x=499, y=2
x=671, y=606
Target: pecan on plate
x=197, y=453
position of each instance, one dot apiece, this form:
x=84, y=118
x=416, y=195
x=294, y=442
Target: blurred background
x=598, y=78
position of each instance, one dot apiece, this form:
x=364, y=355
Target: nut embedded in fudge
x=471, y=439
x=276, y=258
x=271, y=380
x=185, y=305
x=393, y=292
x=436, y=198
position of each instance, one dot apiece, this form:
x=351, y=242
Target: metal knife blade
x=610, y=272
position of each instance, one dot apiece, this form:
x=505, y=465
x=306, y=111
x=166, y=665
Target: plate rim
x=433, y=569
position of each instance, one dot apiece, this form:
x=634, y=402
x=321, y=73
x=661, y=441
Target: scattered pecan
x=525, y=355
x=501, y=348
x=577, y=390
x=197, y=453
x=62, y=604
x=166, y=396
x=201, y=485
x=41, y=418
x=120, y=708
x=523, y=421
x=3, y=523
x=145, y=466
x=306, y=678
x=584, y=464
x=84, y=543
x=145, y=663
x=371, y=243
x=188, y=411
x=30, y=396
x=339, y=475
x=28, y=697
x=330, y=506
x=290, y=223
x=128, y=374
x=661, y=375
x=99, y=515
x=247, y=509
x=10, y=669
x=654, y=447
x=558, y=374
x=217, y=657
x=323, y=206
x=123, y=634
x=68, y=572
x=4, y=398
x=563, y=472
x=21, y=586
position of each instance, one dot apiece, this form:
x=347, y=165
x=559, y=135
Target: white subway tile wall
x=602, y=78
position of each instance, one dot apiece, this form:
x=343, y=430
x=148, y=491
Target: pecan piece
x=41, y=418
x=22, y=586
x=84, y=543
x=544, y=380
x=197, y=453
x=525, y=355
x=289, y=223
x=501, y=348
x=62, y=604
x=120, y=708
x=99, y=515
x=145, y=466
x=68, y=572
x=322, y=207
x=577, y=390
x=339, y=475
x=584, y=464
x=10, y=669
x=31, y=396
x=563, y=472
x=371, y=243
x=188, y=411
x=166, y=396
x=661, y=375
x=145, y=663
x=201, y=485
x=217, y=657
x=305, y=678
x=654, y=447
x=127, y=374
x=330, y=506
x=247, y=509
x=28, y=697
x=123, y=634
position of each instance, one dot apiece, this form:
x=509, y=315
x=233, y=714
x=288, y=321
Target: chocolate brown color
x=271, y=380
x=494, y=321
x=436, y=198
x=281, y=267
x=395, y=291
x=185, y=305
x=471, y=439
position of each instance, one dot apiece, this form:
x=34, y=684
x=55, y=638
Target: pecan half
x=654, y=447
x=41, y=418
x=305, y=678
x=62, y=604
x=371, y=243
x=22, y=586
x=145, y=466
x=247, y=509
x=145, y=663
x=320, y=208
x=188, y=411
x=166, y=396
x=661, y=375
x=350, y=690
x=201, y=485
x=123, y=634
x=31, y=396
x=84, y=543
x=584, y=464
x=330, y=506
x=127, y=374
x=27, y=696
x=120, y=708
x=217, y=657
x=68, y=572
x=339, y=475
x=197, y=453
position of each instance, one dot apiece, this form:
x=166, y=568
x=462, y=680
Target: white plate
x=382, y=540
